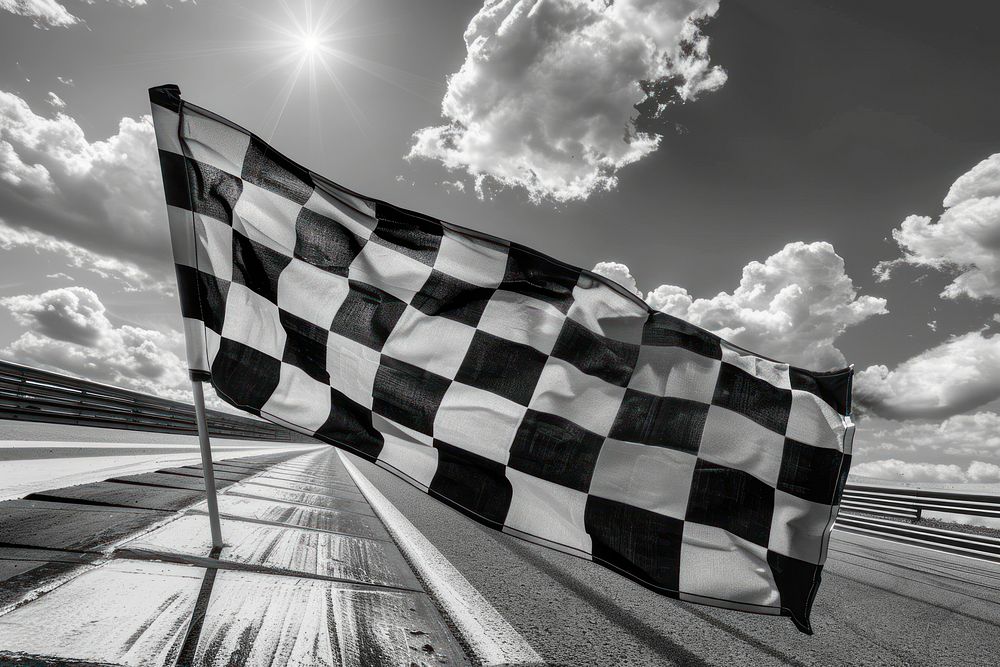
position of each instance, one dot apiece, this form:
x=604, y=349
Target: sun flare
x=307, y=46
x=311, y=44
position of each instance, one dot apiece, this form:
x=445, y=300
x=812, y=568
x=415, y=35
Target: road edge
x=490, y=638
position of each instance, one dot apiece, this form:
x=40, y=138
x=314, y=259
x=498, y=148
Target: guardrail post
x=208, y=472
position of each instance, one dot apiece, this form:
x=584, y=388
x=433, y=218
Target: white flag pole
x=167, y=108
x=206, y=463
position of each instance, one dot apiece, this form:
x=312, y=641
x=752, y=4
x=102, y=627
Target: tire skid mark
x=145, y=625
x=258, y=620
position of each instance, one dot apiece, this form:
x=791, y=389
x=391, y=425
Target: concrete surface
x=112, y=573
x=880, y=603
x=33, y=465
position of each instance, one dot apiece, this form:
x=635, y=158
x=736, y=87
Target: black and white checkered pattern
x=533, y=396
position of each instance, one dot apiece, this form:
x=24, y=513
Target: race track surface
x=880, y=603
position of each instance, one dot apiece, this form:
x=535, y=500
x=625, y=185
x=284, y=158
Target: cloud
x=71, y=332
x=66, y=81
x=72, y=314
x=47, y=14
x=965, y=240
x=55, y=101
x=792, y=306
x=967, y=435
x=453, y=186
x=32, y=179
x=44, y=14
x=894, y=469
x=105, y=196
x=959, y=375
x=61, y=276
x=547, y=97
x=129, y=276
x=983, y=472
x=620, y=274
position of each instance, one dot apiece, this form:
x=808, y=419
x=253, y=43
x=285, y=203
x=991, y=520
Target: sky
x=816, y=181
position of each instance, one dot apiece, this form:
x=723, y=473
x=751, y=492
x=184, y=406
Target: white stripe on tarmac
x=19, y=477
x=492, y=640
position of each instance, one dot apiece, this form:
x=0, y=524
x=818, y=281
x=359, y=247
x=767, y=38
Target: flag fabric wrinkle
x=536, y=397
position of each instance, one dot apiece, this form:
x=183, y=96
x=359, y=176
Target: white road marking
x=492, y=640
x=72, y=465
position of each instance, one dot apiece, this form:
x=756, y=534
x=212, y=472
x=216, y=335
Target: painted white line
x=18, y=478
x=492, y=640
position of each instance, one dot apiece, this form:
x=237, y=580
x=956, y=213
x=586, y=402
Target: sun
x=310, y=44
x=306, y=35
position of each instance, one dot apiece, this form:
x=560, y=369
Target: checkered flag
x=535, y=397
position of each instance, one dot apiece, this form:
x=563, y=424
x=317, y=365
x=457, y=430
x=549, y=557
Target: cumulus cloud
x=792, y=306
x=962, y=436
x=964, y=241
x=70, y=332
x=896, y=470
x=127, y=274
x=547, y=97
x=31, y=179
x=72, y=314
x=983, y=472
x=959, y=375
x=620, y=274
x=105, y=196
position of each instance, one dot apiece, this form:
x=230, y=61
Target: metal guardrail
x=31, y=394
x=911, y=503
x=949, y=541
x=859, y=502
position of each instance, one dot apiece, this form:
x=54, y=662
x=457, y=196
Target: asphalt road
x=880, y=603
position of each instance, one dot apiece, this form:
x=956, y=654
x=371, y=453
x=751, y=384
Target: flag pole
x=208, y=472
